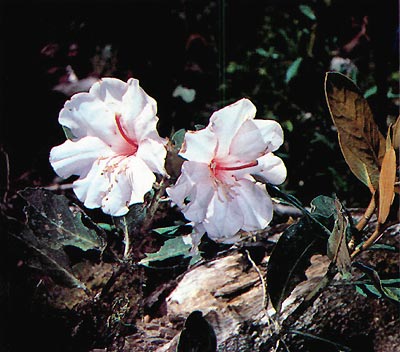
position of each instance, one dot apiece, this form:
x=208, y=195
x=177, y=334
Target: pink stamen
x=122, y=132
x=239, y=167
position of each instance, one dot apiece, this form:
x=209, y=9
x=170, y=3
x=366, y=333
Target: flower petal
x=255, y=204
x=109, y=90
x=76, y=158
x=199, y=146
x=153, y=153
x=194, y=184
x=271, y=132
x=271, y=168
x=226, y=122
x=85, y=115
x=114, y=184
x=139, y=113
x=247, y=145
x=138, y=182
x=223, y=219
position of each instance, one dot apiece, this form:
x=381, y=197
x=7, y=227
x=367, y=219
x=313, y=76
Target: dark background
x=210, y=46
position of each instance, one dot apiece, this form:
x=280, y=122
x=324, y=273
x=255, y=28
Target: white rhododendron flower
x=115, y=149
x=215, y=190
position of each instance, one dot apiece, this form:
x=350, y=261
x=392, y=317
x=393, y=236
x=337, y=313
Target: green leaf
x=307, y=11
x=178, y=138
x=381, y=246
x=293, y=69
x=291, y=257
x=371, y=91
x=274, y=191
x=171, y=248
x=323, y=207
x=68, y=133
x=53, y=263
x=55, y=225
x=361, y=142
x=132, y=220
x=167, y=231
x=374, y=285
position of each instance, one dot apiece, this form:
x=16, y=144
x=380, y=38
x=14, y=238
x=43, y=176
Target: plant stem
x=127, y=241
x=380, y=229
x=367, y=214
x=155, y=202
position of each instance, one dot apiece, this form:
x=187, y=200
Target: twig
x=377, y=234
x=7, y=159
x=260, y=275
x=367, y=214
x=271, y=322
x=59, y=187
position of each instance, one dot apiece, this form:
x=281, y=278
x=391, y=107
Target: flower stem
x=155, y=202
x=127, y=240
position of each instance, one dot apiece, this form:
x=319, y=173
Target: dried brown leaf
x=337, y=250
x=361, y=142
x=386, y=180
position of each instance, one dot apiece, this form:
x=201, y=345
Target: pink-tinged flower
x=215, y=190
x=115, y=149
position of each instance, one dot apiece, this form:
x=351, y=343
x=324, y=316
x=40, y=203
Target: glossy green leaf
x=323, y=207
x=291, y=257
x=171, y=248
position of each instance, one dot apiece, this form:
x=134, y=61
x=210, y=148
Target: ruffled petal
x=194, y=186
x=85, y=115
x=139, y=113
x=76, y=158
x=114, y=184
x=272, y=133
x=153, y=153
x=199, y=146
x=271, y=168
x=255, y=205
x=109, y=90
x=247, y=145
x=227, y=121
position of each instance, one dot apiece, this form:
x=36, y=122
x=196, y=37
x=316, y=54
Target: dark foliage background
x=225, y=50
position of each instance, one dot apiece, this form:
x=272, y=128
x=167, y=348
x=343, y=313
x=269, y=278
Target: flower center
x=223, y=184
x=124, y=135
x=238, y=167
x=216, y=167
